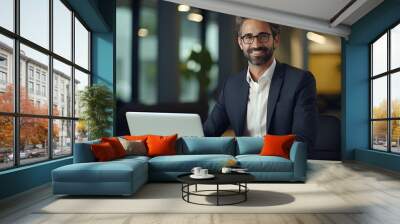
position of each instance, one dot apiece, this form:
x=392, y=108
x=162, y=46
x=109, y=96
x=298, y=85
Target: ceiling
x=326, y=16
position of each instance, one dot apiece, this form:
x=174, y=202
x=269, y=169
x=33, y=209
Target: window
x=37, y=75
x=148, y=53
x=34, y=21
x=62, y=74
x=30, y=72
x=6, y=141
x=62, y=31
x=43, y=90
x=7, y=14
x=38, y=89
x=3, y=78
x=385, y=94
x=3, y=61
x=45, y=131
x=81, y=45
x=81, y=81
x=62, y=137
x=189, y=41
x=30, y=87
x=7, y=72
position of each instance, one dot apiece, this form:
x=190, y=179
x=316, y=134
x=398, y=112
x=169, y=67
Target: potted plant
x=198, y=66
x=96, y=102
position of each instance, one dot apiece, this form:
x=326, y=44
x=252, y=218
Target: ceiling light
x=183, y=8
x=195, y=17
x=143, y=32
x=316, y=38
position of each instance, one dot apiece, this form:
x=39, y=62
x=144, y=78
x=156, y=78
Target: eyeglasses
x=262, y=37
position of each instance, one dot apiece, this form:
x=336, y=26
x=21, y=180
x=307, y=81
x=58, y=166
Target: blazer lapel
x=275, y=88
x=242, y=100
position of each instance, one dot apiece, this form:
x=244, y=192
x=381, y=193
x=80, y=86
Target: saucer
x=208, y=176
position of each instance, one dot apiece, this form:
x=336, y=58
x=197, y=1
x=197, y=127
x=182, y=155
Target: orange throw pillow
x=161, y=145
x=277, y=145
x=103, y=151
x=116, y=145
x=135, y=137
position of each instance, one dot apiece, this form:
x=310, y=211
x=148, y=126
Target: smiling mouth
x=258, y=53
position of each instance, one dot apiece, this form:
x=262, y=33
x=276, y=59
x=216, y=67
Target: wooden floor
x=377, y=188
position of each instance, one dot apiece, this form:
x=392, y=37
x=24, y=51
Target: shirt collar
x=267, y=75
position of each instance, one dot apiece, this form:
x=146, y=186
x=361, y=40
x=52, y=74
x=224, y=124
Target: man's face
x=259, y=51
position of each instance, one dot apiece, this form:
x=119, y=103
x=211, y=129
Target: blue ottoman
x=118, y=177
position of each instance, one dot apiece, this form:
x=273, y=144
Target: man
x=268, y=97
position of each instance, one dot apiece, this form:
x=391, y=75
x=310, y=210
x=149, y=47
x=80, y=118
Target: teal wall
x=99, y=16
x=24, y=178
x=356, y=85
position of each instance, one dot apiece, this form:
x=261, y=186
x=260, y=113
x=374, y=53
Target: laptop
x=143, y=123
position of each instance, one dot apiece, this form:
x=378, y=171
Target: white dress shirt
x=256, y=121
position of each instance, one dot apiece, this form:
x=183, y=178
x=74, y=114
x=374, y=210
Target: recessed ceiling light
x=316, y=38
x=183, y=8
x=195, y=17
x=143, y=32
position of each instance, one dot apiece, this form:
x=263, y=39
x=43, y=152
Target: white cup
x=196, y=170
x=226, y=170
x=203, y=172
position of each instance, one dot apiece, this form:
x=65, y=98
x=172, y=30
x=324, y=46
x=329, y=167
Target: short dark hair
x=275, y=28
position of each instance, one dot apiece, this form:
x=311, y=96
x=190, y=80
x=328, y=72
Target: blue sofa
x=125, y=176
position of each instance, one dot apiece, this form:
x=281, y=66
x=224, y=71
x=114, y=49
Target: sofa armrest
x=83, y=152
x=298, y=155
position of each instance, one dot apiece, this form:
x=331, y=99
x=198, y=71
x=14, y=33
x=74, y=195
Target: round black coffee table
x=238, y=179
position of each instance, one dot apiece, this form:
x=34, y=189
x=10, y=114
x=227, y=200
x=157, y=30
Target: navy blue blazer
x=291, y=107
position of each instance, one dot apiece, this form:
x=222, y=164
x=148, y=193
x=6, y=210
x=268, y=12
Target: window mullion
x=371, y=89
x=50, y=81
x=16, y=84
x=389, y=106
x=73, y=82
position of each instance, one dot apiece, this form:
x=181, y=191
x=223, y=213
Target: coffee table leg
x=245, y=191
x=217, y=194
x=196, y=188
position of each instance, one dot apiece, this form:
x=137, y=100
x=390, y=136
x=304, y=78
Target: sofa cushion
x=185, y=163
x=206, y=145
x=257, y=163
x=131, y=158
x=249, y=145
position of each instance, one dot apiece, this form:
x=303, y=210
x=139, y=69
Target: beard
x=259, y=59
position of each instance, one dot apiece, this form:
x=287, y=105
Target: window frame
x=16, y=114
x=388, y=74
